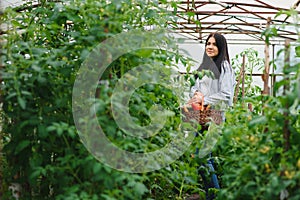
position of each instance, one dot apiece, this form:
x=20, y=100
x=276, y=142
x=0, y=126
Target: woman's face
x=211, y=48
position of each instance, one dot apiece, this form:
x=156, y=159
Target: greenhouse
x=138, y=99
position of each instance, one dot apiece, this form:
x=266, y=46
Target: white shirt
x=217, y=91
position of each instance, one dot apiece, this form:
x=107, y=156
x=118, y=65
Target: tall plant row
x=258, y=151
x=42, y=50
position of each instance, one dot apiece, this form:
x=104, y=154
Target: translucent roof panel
x=240, y=20
x=11, y=3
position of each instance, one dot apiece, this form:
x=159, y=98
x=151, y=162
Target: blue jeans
x=211, y=182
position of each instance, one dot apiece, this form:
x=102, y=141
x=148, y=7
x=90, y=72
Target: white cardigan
x=216, y=91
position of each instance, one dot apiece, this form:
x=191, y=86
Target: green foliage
x=252, y=63
x=44, y=48
x=259, y=150
x=255, y=163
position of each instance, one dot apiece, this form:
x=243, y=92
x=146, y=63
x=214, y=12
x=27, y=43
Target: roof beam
x=261, y=5
x=231, y=12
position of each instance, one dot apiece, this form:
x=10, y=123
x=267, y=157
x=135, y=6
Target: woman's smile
x=211, y=48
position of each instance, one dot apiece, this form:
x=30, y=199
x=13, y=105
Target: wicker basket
x=202, y=117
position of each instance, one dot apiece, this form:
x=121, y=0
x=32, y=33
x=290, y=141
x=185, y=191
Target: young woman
x=215, y=90
x=218, y=89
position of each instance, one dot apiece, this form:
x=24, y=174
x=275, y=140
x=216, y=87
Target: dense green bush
x=259, y=150
x=255, y=164
x=44, y=48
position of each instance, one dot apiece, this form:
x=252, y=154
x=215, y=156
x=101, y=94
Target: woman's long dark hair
x=223, y=55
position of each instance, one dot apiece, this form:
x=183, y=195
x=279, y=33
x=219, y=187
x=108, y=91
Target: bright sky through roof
x=275, y=3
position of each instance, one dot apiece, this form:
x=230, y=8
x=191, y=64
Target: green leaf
x=42, y=131
x=297, y=49
x=59, y=130
x=71, y=132
x=11, y=95
x=198, y=23
x=140, y=188
x=151, y=13
x=97, y=168
x=192, y=80
x=36, y=173
x=51, y=128
x=144, y=53
x=17, y=24
x=22, y=102
x=190, y=14
x=22, y=145
x=258, y=120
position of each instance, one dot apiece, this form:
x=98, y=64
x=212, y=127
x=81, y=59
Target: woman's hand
x=197, y=98
x=197, y=101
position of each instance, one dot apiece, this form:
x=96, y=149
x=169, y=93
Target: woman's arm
x=226, y=87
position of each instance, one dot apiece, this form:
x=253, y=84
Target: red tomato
x=196, y=106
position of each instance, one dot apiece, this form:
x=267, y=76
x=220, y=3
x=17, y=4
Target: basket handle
x=202, y=101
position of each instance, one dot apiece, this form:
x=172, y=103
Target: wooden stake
x=243, y=77
x=267, y=65
x=242, y=74
x=286, y=131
